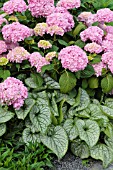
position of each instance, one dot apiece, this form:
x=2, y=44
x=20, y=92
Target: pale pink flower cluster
x=93, y=48
x=104, y=15
x=40, y=29
x=49, y=56
x=13, y=92
x=107, y=43
x=107, y=58
x=88, y=18
x=37, y=61
x=44, y=44
x=41, y=7
x=2, y=20
x=69, y=4
x=17, y=55
x=3, y=46
x=98, y=68
x=61, y=19
x=109, y=29
x=14, y=6
x=11, y=45
x=93, y=33
x=54, y=29
x=73, y=58
x=16, y=32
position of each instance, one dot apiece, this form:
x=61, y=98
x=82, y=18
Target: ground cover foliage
x=56, y=90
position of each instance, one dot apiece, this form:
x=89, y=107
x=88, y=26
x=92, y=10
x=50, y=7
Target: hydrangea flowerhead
x=14, y=6
x=13, y=92
x=2, y=20
x=11, y=45
x=93, y=33
x=36, y=60
x=55, y=30
x=109, y=29
x=3, y=46
x=16, y=32
x=107, y=58
x=40, y=29
x=62, y=20
x=49, y=56
x=105, y=15
x=107, y=45
x=17, y=55
x=73, y=58
x=98, y=68
x=69, y=4
x=40, y=8
x=88, y=18
x=93, y=48
x=44, y=44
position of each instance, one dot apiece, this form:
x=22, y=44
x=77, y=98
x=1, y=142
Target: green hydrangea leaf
x=103, y=153
x=107, y=83
x=2, y=129
x=5, y=115
x=89, y=131
x=71, y=129
x=80, y=148
x=67, y=82
x=93, y=82
x=22, y=113
x=56, y=140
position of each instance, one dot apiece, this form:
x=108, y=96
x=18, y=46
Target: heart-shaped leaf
x=107, y=111
x=89, y=131
x=56, y=140
x=5, y=115
x=2, y=129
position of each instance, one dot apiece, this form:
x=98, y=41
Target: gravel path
x=70, y=162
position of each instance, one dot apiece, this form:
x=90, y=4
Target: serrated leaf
x=51, y=83
x=67, y=82
x=107, y=83
x=2, y=129
x=103, y=153
x=4, y=74
x=89, y=131
x=40, y=115
x=22, y=113
x=57, y=141
x=5, y=115
x=47, y=67
x=71, y=129
x=30, y=137
x=107, y=111
x=87, y=72
x=80, y=148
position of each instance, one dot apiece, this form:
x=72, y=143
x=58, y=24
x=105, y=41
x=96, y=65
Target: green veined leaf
x=89, y=131
x=71, y=129
x=109, y=103
x=5, y=115
x=87, y=72
x=103, y=153
x=31, y=83
x=80, y=148
x=107, y=111
x=107, y=83
x=51, y=83
x=2, y=129
x=30, y=137
x=57, y=141
x=22, y=113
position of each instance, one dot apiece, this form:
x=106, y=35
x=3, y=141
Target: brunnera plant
x=56, y=73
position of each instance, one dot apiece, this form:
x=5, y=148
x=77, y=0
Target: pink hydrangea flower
x=16, y=32
x=41, y=7
x=63, y=20
x=14, y=6
x=37, y=61
x=44, y=44
x=13, y=92
x=40, y=29
x=3, y=46
x=17, y=55
x=93, y=48
x=109, y=37
x=88, y=18
x=105, y=15
x=55, y=30
x=69, y=4
x=106, y=57
x=98, y=68
x=49, y=56
x=107, y=45
x=11, y=45
x=2, y=20
x=73, y=58
x=93, y=33
x=109, y=29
